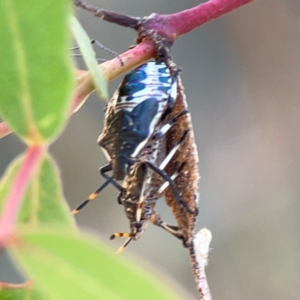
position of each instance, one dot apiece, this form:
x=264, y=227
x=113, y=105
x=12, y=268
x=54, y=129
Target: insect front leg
x=92, y=196
x=107, y=168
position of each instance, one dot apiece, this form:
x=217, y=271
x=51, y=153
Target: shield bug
x=140, y=103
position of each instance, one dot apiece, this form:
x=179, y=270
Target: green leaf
x=21, y=294
x=88, y=53
x=35, y=67
x=73, y=267
x=8, y=178
x=44, y=202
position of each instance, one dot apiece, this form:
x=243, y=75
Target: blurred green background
x=242, y=79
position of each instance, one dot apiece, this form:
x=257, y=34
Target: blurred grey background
x=242, y=79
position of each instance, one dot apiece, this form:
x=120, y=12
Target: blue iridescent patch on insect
x=164, y=89
x=137, y=76
x=131, y=88
x=164, y=70
x=129, y=98
x=164, y=79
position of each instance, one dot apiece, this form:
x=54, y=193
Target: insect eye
x=138, y=225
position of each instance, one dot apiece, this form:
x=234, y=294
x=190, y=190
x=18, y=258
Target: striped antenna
x=100, y=45
x=104, y=48
x=93, y=41
x=80, y=55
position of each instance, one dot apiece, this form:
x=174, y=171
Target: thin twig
x=167, y=27
x=109, y=16
x=185, y=21
x=199, y=250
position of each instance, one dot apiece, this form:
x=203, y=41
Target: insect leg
x=174, y=230
x=120, y=234
x=173, y=177
x=168, y=125
x=173, y=93
x=121, y=249
x=92, y=196
x=107, y=168
x=166, y=177
x=173, y=151
x=124, y=234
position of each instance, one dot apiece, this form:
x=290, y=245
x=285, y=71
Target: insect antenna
x=80, y=55
x=93, y=41
x=101, y=46
x=92, y=196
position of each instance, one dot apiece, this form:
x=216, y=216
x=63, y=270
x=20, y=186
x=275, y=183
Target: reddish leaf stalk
x=183, y=22
x=112, y=69
x=4, y=130
x=14, y=286
x=16, y=195
x=170, y=26
x=156, y=28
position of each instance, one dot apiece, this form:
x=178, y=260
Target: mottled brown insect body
x=147, y=181
x=140, y=188
x=187, y=180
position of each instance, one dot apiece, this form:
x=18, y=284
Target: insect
x=143, y=186
x=140, y=194
x=144, y=99
x=151, y=154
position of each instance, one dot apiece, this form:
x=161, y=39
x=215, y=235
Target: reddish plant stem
x=16, y=195
x=4, y=130
x=172, y=26
x=187, y=20
x=112, y=69
x=14, y=286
